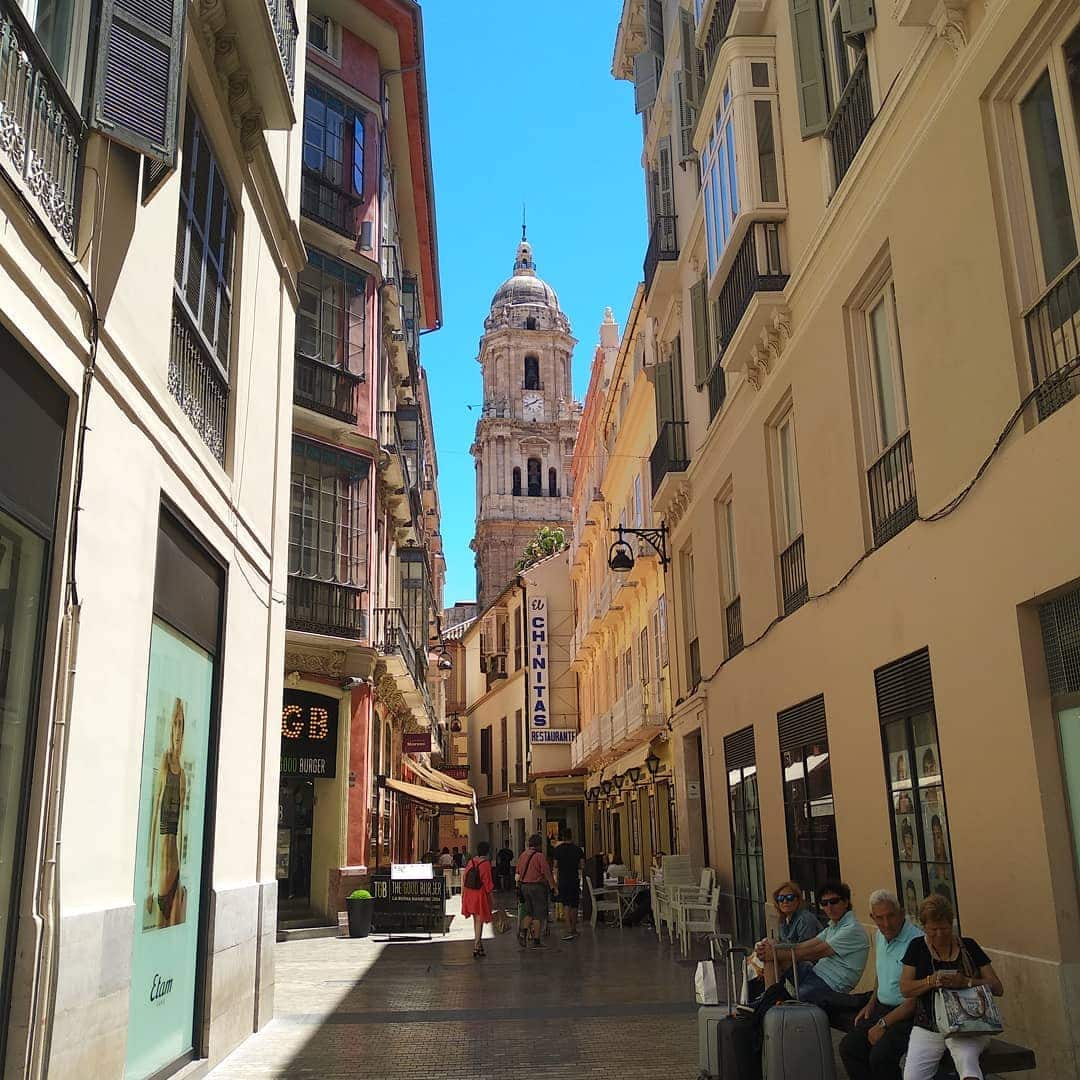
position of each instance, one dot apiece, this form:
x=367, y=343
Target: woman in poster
x=168, y=906
x=901, y=769
x=937, y=831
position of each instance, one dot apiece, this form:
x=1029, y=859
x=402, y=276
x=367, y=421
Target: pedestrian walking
x=504, y=869
x=476, y=894
x=535, y=880
x=457, y=858
x=569, y=859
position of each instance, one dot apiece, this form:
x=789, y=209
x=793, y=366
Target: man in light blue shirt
x=830, y=964
x=872, y=1051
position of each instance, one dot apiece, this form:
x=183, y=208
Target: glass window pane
x=770, y=188
x=884, y=382
x=1049, y=188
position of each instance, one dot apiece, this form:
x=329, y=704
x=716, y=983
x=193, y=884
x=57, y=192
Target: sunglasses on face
x=830, y=901
x=786, y=898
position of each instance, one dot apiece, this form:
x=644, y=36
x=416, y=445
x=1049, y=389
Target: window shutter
x=739, y=749
x=904, y=687
x=665, y=397
x=809, y=67
x=136, y=98
x=667, y=182
x=687, y=114
x=646, y=80
x=692, y=60
x=1060, y=620
x=699, y=316
x=857, y=16
x=802, y=724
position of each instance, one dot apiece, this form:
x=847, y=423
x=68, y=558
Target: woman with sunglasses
x=797, y=924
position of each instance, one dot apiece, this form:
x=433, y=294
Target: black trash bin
x=360, y=911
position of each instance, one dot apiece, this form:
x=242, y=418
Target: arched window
x=530, y=323
x=532, y=373
x=536, y=486
x=553, y=483
x=517, y=481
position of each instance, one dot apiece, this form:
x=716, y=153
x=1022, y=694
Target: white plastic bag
x=707, y=981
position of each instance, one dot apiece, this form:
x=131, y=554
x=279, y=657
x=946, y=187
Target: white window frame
x=881, y=291
x=332, y=52
x=787, y=488
x=729, y=556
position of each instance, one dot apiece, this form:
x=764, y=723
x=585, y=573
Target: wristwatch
x=883, y=1023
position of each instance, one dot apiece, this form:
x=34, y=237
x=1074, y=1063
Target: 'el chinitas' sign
x=539, y=705
x=309, y=730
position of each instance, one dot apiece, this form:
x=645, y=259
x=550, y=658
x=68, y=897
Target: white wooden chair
x=697, y=917
x=676, y=873
x=682, y=896
x=603, y=900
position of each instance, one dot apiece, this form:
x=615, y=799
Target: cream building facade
x=521, y=713
x=619, y=648
x=864, y=279
x=526, y=431
x=150, y=199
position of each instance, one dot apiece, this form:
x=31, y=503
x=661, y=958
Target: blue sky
x=523, y=108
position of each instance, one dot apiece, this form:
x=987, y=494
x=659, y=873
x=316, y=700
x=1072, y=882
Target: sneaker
x=569, y=937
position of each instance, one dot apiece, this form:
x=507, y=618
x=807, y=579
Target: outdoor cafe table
x=628, y=892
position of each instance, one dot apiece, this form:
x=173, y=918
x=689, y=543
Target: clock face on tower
x=533, y=406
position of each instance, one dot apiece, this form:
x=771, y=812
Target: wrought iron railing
x=893, y=502
x=694, y=665
x=793, y=575
x=721, y=18
x=663, y=246
x=733, y=621
x=851, y=120
x=1053, y=333
x=755, y=268
x=328, y=203
x=283, y=16
x=40, y=129
x=717, y=384
x=388, y=430
x=197, y=383
x=670, y=453
x=325, y=607
x=325, y=389
x=392, y=635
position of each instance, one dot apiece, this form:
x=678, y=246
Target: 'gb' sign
x=309, y=728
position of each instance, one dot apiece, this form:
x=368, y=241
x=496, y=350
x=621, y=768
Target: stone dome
x=524, y=300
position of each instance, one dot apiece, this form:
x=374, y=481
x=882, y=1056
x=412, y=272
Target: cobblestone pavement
x=612, y=1003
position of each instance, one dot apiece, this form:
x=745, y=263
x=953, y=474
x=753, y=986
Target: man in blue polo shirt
x=872, y=1051
x=830, y=964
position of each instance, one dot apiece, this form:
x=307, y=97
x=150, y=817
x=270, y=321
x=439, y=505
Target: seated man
x=872, y=1051
x=830, y=965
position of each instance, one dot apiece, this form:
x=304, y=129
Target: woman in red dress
x=476, y=893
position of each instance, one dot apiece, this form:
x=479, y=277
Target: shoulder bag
x=968, y=1011
x=528, y=861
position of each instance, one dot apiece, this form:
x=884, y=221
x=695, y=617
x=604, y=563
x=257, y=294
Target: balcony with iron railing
x=756, y=268
x=40, y=128
x=393, y=638
x=891, y=481
x=716, y=384
x=325, y=607
x=851, y=120
x=326, y=389
x=283, y=17
x=1052, y=324
x=793, y=575
x=328, y=203
x=693, y=651
x=663, y=246
x=670, y=454
x=197, y=382
x=733, y=625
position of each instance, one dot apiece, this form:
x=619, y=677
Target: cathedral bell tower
x=526, y=433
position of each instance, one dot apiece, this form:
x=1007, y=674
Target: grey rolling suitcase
x=797, y=1041
x=727, y=1044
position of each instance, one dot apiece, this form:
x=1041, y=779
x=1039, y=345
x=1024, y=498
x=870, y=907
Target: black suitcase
x=728, y=1044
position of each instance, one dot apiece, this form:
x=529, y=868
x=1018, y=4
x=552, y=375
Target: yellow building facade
x=861, y=288
x=619, y=648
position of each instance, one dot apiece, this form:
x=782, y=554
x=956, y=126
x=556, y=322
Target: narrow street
x=612, y=1002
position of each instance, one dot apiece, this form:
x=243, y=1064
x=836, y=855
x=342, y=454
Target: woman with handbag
x=476, y=890
x=955, y=985
x=534, y=882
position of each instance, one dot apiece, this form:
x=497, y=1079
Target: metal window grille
x=793, y=575
x=891, y=483
x=748, y=861
x=1060, y=620
x=206, y=233
x=328, y=515
x=1053, y=332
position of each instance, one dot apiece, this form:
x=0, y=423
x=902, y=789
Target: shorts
x=570, y=892
x=536, y=900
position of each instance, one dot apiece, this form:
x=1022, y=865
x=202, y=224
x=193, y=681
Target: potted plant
x=360, y=906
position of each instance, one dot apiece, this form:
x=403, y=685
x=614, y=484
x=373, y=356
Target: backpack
x=473, y=880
